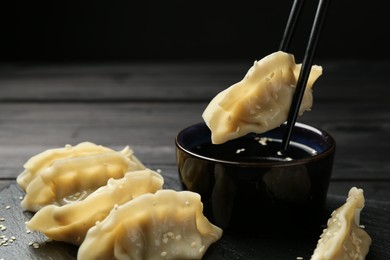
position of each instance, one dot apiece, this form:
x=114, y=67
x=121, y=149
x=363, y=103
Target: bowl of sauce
x=248, y=183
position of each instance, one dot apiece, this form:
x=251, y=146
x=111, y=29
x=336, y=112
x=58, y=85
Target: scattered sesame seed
x=263, y=141
x=362, y=226
x=240, y=150
x=193, y=244
x=21, y=198
x=158, y=170
x=7, y=207
x=164, y=254
x=2, y=219
x=299, y=257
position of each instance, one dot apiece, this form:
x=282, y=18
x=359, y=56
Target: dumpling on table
x=344, y=238
x=44, y=159
x=70, y=223
x=64, y=180
x=166, y=225
x=260, y=101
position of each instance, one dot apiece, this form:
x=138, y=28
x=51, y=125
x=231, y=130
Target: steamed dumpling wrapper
x=260, y=101
x=165, y=225
x=343, y=237
x=73, y=177
x=46, y=158
x=70, y=223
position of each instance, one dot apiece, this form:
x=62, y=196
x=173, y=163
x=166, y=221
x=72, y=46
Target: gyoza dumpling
x=344, y=238
x=43, y=160
x=166, y=225
x=70, y=179
x=70, y=223
x=259, y=102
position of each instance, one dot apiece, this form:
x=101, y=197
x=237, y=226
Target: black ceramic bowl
x=247, y=183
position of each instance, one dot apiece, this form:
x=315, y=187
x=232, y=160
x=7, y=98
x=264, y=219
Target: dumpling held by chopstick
x=259, y=102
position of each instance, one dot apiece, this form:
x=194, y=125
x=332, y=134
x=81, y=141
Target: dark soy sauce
x=254, y=149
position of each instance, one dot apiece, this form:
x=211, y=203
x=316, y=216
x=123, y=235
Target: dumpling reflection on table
x=70, y=223
x=260, y=101
x=61, y=176
x=166, y=225
x=344, y=238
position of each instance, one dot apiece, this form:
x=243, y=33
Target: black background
x=95, y=31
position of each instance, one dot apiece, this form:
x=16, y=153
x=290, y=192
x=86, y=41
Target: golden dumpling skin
x=166, y=225
x=64, y=180
x=260, y=101
x=70, y=223
x=344, y=238
x=44, y=159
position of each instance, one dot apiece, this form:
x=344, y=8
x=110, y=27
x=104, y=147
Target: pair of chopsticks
x=307, y=60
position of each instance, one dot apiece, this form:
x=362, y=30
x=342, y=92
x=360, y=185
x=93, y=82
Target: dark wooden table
x=145, y=104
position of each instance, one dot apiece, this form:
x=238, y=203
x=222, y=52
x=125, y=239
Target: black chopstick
x=291, y=22
x=307, y=61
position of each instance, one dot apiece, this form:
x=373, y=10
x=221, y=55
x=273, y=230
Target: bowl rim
x=327, y=152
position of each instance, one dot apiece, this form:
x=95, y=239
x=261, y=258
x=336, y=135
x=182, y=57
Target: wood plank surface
x=188, y=81
x=144, y=105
